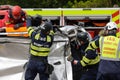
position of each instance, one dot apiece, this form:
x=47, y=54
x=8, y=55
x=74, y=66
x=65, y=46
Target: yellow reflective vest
x=110, y=48
x=40, y=45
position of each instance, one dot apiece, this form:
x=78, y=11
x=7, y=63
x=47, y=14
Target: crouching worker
x=41, y=41
x=88, y=63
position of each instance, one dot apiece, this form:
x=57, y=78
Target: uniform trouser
x=34, y=67
x=111, y=76
x=76, y=72
x=89, y=74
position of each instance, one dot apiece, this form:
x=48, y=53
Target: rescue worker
x=39, y=50
x=80, y=70
x=75, y=53
x=16, y=16
x=109, y=67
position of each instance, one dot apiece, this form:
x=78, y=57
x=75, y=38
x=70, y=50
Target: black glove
x=28, y=22
x=18, y=25
x=49, y=69
x=56, y=28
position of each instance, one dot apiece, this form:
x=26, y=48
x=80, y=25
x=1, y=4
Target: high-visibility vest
x=40, y=46
x=110, y=48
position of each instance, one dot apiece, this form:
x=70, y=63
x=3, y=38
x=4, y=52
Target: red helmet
x=16, y=12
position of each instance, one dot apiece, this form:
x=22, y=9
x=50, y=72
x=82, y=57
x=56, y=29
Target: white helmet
x=111, y=25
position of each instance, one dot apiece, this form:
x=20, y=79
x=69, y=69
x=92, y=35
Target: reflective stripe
x=118, y=51
x=38, y=53
x=100, y=43
x=37, y=36
x=94, y=45
x=108, y=52
x=30, y=30
x=91, y=46
x=52, y=32
x=48, y=39
x=39, y=48
x=94, y=61
x=85, y=61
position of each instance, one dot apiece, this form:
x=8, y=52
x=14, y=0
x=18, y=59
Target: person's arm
x=93, y=45
x=30, y=29
x=90, y=55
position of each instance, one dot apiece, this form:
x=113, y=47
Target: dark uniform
x=39, y=50
x=78, y=56
x=110, y=51
x=89, y=70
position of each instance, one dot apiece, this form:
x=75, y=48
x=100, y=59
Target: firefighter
x=110, y=53
x=41, y=41
x=16, y=16
x=81, y=71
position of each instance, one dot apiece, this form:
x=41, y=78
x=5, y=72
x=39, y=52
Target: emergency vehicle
x=92, y=19
x=13, y=58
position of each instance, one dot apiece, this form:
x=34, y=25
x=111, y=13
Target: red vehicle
x=3, y=16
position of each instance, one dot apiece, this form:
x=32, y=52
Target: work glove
x=55, y=28
x=28, y=22
x=18, y=25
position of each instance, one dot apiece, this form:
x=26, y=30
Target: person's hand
x=28, y=22
x=16, y=26
x=77, y=64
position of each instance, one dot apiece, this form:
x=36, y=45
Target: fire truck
x=92, y=19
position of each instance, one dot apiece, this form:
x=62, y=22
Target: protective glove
x=18, y=25
x=28, y=22
x=55, y=28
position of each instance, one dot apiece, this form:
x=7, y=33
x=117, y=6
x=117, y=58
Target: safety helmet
x=37, y=20
x=111, y=26
x=82, y=36
x=16, y=12
x=38, y=17
x=46, y=27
